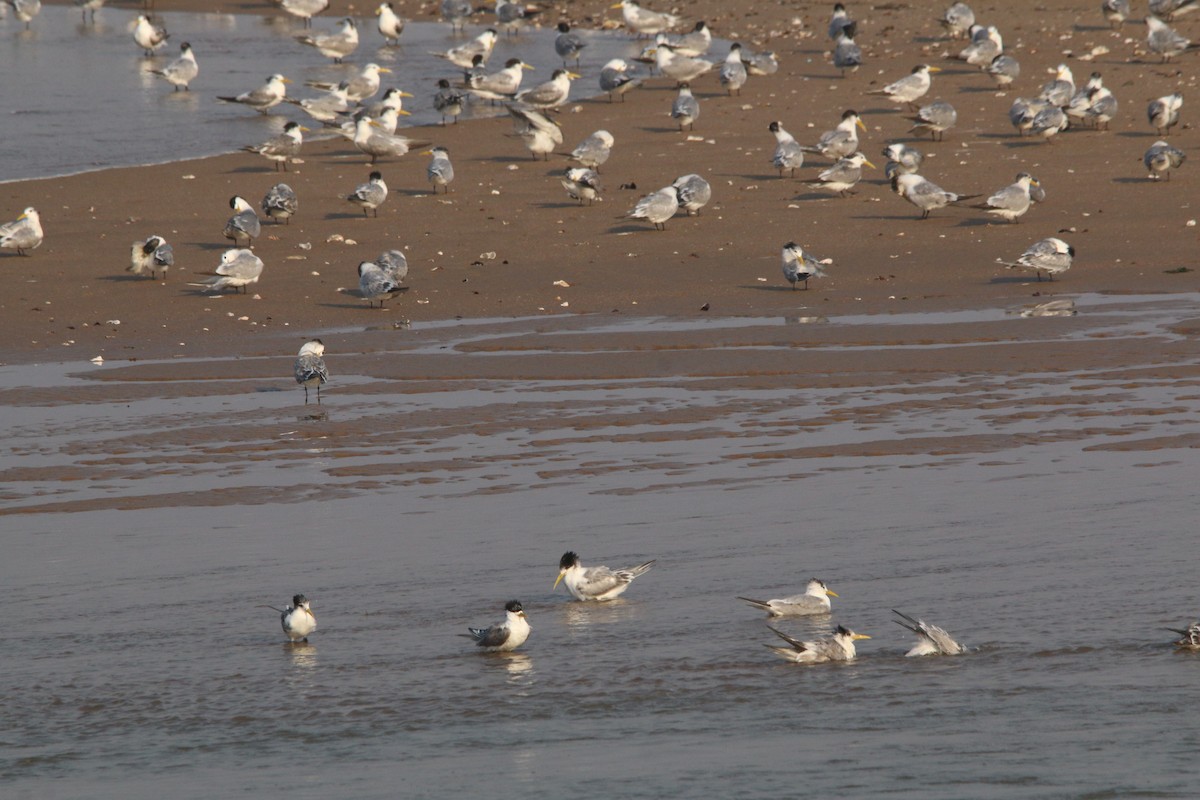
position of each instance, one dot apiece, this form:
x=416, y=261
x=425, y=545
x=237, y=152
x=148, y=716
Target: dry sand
x=1131, y=234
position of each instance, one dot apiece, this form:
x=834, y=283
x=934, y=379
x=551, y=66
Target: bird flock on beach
x=349, y=109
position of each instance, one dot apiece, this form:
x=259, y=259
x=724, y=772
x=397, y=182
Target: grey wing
x=308, y=367
x=801, y=603
x=491, y=637
x=370, y=193
x=929, y=193
x=841, y=172
x=394, y=264
x=1010, y=198
x=246, y=265
x=599, y=580
x=538, y=95
x=164, y=255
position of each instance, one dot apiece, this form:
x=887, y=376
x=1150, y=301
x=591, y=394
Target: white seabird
x=1163, y=113
x=238, y=269
x=298, y=620
x=265, y=97
x=815, y=599
x=958, y=20
x=596, y=583
x=657, y=207
x=934, y=119
x=1012, y=201
x=304, y=9
x=244, y=222
x=694, y=193
x=839, y=647
x=309, y=369
x=931, y=640
x=582, y=184
x=182, y=71
x=1160, y=158
x=686, y=108
x=149, y=37
x=280, y=203
x=440, y=170
x=335, y=44
x=377, y=283
x=678, y=67
x=732, y=74
x=843, y=176
x=923, y=193
x=911, y=87
x=1051, y=255
x=594, y=150
x=799, y=265
x=282, y=148
x=643, y=21
x=788, y=154
x=23, y=233
x=618, y=77
x=152, y=255
x=390, y=25
x=506, y=635
x=370, y=195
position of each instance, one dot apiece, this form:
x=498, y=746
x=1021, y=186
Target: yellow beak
x=404, y=113
x=616, y=5
x=525, y=66
x=935, y=69
x=560, y=575
x=306, y=130
x=405, y=94
x=869, y=164
x=384, y=69
x=285, y=80
x=858, y=636
x=860, y=124
x=831, y=593
x=573, y=76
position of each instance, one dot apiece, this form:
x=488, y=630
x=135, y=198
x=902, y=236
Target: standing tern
x=1051, y=255
x=1161, y=158
x=732, y=74
x=847, y=55
x=840, y=24
x=297, y=619
x=657, y=207
x=360, y=88
x=390, y=25
x=901, y=159
x=149, y=37
x=500, y=85
x=464, y=55
x=371, y=139
x=1004, y=69
x=843, y=176
x=643, y=21
x=788, y=154
x=282, y=148
x=377, y=283
x=1013, y=200
x=958, y=20
x=23, y=233
x=686, y=108
x=693, y=192
x=265, y=97
x=582, y=184
x=595, y=583
x=568, y=45
x=678, y=67
x=911, y=87
x=815, y=599
x=309, y=368
x=934, y=119
x=440, y=171
x=594, y=150
x=539, y=133
x=280, y=203
x=839, y=647
x=370, y=195
x=1163, y=113
x=238, y=269
x=509, y=634
x=244, y=222
x=152, y=255
x=304, y=9
x=335, y=44
x=618, y=77
x=551, y=94
x=1161, y=38
x=456, y=12
x=799, y=265
x=182, y=71
x=842, y=140
x=924, y=194
x=931, y=640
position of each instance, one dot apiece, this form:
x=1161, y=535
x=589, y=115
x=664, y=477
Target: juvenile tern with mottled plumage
x=931, y=640
x=839, y=647
x=815, y=599
x=309, y=368
x=506, y=635
x=596, y=583
x=1189, y=637
x=1161, y=158
x=151, y=255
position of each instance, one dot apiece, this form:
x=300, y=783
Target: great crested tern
x=788, y=154
x=1102, y=107
x=901, y=159
x=799, y=265
x=304, y=9
x=815, y=599
x=1012, y=201
x=464, y=55
x=618, y=77
x=502, y=84
x=243, y=224
x=297, y=619
x=839, y=647
x=1049, y=122
x=1023, y=112
x=1160, y=158
x=694, y=43
x=842, y=140
x=393, y=98
x=369, y=196
x=335, y=44
x=282, y=148
x=568, y=45
x=1163, y=113
x=359, y=89
x=594, y=150
x=327, y=107
x=643, y=21
x=149, y=37
x=582, y=184
x=371, y=139
x=25, y=10
x=550, y=94
x=1161, y=38
x=151, y=255
x=678, y=67
x=694, y=193
x=265, y=97
x=1116, y=12
x=1060, y=90
x=924, y=194
x=843, y=176
x=506, y=635
x=840, y=23
x=934, y=119
x=440, y=170
x=377, y=283
x=931, y=640
x=596, y=583
x=182, y=71
x=539, y=133
x=686, y=108
x=1004, y=69
x=1080, y=101
x=23, y=233
x=390, y=24
x=238, y=269
x=986, y=44
x=657, y=207
x=280, y=203
x=309, y=368
x=1051, y=255
x=732, y=74
x=1189, y=637
x=847, y=55
x=957, y=20
x=449, y=101
x=511, y=16
x=456, y=13
x=911, y=87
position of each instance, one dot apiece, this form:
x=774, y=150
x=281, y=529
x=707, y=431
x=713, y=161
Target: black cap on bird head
x=299, y=600
x=774, y=127
x=514, y=606
x=564, y=27
x=568, y=560
x=841, y=630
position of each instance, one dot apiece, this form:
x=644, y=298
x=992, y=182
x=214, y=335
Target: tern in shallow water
x=297, y=619
x=336, y=44
x=815, y=600
x=568, y=45
x=151, y=255
x=23, y=233
x=678, y=67
x=309, y=369
x=931, y=640
x=360, y=88
x=149, y=37
x=304, y=9
x=1051, y=255
x=506, y=635
x=1189, y=637
x=464, y=55
x=265, y=97
x=839, y=647
x=643, y=21
x=595, y=583
x=390, y=25
x=182, y=71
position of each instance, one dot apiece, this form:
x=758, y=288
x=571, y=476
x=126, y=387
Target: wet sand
x=1130, y=233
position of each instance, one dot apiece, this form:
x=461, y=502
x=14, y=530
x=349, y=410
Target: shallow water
x=86, y=93
x=1039, y=510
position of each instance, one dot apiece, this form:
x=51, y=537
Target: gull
x=761, y=63
x=686, y=108
x=551, y=94
x=1163, y=113
x=89, y=5
x=657, y=207
x=799, y=265
x=309, y=370
x=440, y=171
x=152, y=255
x=506, y=635
x=617, y=77
x=244, y=222
x=1059, y=91
x=839, y=647
x=842, y=140
x=695, y=42
x=680, y=68
x=26, y=10
x=931, y=640
x=1023, y=112
x=448, y=101
x=582, y=184
x=568, y=45
x=643, y=21
x=924, y=194
x=510, y=16
x=1161, y=158
x=456, y=12
x=1013, y=200
x=693, y=191
x=394, y=264
x=595, y=583
x=539, y=133
x=23, y=233
x=280, y=203
x=1049, y=122
x=1116, y=11
x=986, y=44
x=901, y=159
x=594, y=150
x=464, y=55
x=911, y=87
x=304, y=9
x=282, y=148
x=958, y=20
x=1190, y=637
x=842, y=176
x=732, y=74
x=370, y=195
x=238, y=268
x=934, y=119
x=376, y=283
x=1161, y=38
x=1050, y=255
x=336, y=44
x=1004, y=70
x=377, y=143
x=846, y=54
x=265, y=97
x=390, y=25
x=1170, y=9
x=840, y=23
x=326, y=107
x=149, y=37
x=297, y=619
x=789, y=154
x=500, y=85
x=815, y=599
x=182, y=70
x=360, y=88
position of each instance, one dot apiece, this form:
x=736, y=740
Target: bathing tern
x=506, y=635
x=595, y=583
x=931, y=640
